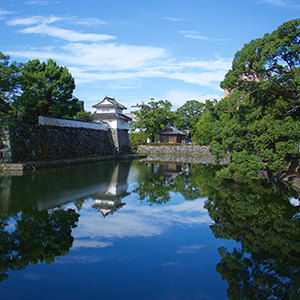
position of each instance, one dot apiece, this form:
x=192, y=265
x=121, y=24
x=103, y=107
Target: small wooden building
x=170, y=134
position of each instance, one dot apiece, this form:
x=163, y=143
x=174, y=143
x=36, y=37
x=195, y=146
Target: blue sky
x=175, y=50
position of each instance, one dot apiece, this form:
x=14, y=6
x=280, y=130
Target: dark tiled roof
x=99, y=116
x=112, y=103
x=171, y=129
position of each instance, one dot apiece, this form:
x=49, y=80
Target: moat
x=139, y=230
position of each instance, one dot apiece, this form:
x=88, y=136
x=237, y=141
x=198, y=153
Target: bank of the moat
x=201, y=155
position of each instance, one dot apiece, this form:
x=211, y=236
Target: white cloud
x=135, y=221
x=194, y=35
x=202, y=79
x=4, y=12
x=284, y=3
x=83, y=243
x=65, y=34
x=41, y=3
x=179, y=96
x=87, y=21
x=197, y=36
x=91, y=58
x=33, y=20
x=113, y=57
x=172, y=19
x=42, y=27
x=128, y=63
x=190, y=249
x=276, y=2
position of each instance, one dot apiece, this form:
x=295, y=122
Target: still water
x=135, y=230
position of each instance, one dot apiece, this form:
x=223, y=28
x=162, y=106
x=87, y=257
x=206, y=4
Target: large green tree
x=8, y=83
x=46, y=89
x=258, y=122
x=153, y=117
x=188, y=115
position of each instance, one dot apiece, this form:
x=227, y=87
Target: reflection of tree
x=39, y=236
x=155, y=188
x=259, y=216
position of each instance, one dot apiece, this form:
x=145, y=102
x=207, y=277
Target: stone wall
x=180, y=154
x=173, y=149
x=21, y=143
x=121, y=140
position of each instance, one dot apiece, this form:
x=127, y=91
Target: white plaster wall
x=71, y=123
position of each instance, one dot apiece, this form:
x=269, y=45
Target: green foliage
x=155, y=187
x=137, y=138
x=153, y=117
x=84, y=116
x=46, y=90
x=39, y=236
x=260, y=217
x=8, y=84
x=258, y=123
x=188, y=115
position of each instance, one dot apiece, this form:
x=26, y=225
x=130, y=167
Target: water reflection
x=141, y=202
x=38, y=236
x=164, y=179
x=34, y=224
x=261, y=218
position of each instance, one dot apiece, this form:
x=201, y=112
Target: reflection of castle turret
x=109, y=201
x=51, y=188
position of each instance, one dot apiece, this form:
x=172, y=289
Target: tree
x=39, y=236
x=8, y=83
x=188, y=115
x=47, y=89
x=265, y=264
x=259, y=121
x=153, y=117
x=83, y=115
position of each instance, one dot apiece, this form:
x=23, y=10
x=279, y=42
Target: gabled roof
x=171, y=129
x=108, y=102
x=107, y=116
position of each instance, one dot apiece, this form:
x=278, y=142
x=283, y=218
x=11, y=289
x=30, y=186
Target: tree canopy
x=153, y=117
x=258, y=122
x=188, y=115
x=8, y=83
x=47, y=89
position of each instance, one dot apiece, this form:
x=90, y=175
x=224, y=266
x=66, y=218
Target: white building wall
x=71, y=123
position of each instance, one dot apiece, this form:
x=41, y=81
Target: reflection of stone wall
x=31, y=143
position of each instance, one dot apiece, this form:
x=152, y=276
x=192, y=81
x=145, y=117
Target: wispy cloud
x=41, y=3
x=196, y=35
x=86, y=21
x=90, y=57
x=33, y=20
x=284, y=3
x=4, y=12
x=67, y=35
x=36, y=277
x=44, y=27
x=172, y=19
x=190, y=249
